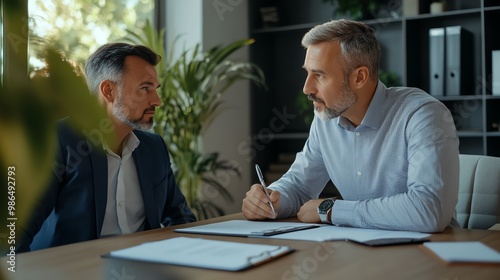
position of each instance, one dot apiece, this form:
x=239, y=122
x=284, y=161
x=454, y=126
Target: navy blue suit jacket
x=73, y=207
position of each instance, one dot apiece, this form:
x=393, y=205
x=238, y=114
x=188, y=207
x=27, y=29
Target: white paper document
x=247, y=228
x=333, y=233
x=203, y=253
x=470, y=251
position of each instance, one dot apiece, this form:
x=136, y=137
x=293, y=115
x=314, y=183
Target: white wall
x=225, y=21
x=184, y=19
x=215, y=22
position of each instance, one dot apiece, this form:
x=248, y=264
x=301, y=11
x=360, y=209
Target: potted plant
x=356, y=9
x=192, y=85
x=390, y=79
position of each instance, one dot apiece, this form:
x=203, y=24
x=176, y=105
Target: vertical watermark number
x=11, y=217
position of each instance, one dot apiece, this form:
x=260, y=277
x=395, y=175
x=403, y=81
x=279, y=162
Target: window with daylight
x=78, y=27
x=1, y=42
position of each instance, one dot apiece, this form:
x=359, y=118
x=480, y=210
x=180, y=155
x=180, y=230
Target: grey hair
x=108, y=63
x=358, y=44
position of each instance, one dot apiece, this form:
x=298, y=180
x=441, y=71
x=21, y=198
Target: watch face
x=326, y=204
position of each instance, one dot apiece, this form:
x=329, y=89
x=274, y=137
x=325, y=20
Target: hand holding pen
x=258, y=203
x=261, y=179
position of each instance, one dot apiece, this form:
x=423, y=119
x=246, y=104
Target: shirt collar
x=131, y=142
x=374, y=115
x=376, y=110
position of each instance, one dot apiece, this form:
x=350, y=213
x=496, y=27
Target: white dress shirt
x=125, y=207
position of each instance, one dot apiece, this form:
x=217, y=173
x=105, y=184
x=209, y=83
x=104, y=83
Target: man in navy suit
x=103, y=189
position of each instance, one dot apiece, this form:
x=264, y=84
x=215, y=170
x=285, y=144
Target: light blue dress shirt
x=397, y=170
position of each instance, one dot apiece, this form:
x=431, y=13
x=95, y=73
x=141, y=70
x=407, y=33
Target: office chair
x=478, y=204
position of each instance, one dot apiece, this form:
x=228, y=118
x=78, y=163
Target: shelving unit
x=405, y=51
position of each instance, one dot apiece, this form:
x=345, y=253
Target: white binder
x=436, y=61
x=459, y=55
x=495, y=77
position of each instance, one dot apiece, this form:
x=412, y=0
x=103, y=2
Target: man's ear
x=107, y=90
x=359, y=77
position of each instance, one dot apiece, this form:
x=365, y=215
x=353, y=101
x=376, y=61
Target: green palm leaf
x=192, y=85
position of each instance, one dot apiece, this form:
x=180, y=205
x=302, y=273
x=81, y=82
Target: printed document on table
x=203, y=253
x=333, y=233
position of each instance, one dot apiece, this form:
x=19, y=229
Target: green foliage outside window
x=78, y=27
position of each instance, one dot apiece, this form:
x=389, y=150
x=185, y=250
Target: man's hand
x=256, y=204
x=308, y=213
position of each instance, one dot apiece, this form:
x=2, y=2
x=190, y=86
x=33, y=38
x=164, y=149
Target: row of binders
x=450, y=61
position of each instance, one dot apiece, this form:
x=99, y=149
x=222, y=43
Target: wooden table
x=311, y=260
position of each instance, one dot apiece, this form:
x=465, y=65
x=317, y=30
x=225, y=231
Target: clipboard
x=243, y=228
x=202, y=253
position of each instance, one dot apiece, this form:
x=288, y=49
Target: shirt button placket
x=357, y=134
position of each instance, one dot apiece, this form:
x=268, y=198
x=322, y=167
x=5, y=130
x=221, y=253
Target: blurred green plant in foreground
x=28, y=116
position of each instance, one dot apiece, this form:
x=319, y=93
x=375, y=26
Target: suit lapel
x=100, y=178
x=140, y=157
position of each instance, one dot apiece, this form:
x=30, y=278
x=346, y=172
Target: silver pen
x=261, y=179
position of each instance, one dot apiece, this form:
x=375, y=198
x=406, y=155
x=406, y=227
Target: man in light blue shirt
x=392, y=153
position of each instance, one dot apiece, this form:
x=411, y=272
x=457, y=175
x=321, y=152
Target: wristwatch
x=324, y=207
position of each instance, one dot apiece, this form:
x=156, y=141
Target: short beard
x=121, y=112
x=347, y=98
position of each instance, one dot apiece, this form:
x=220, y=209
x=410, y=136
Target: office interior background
x=448, y=48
